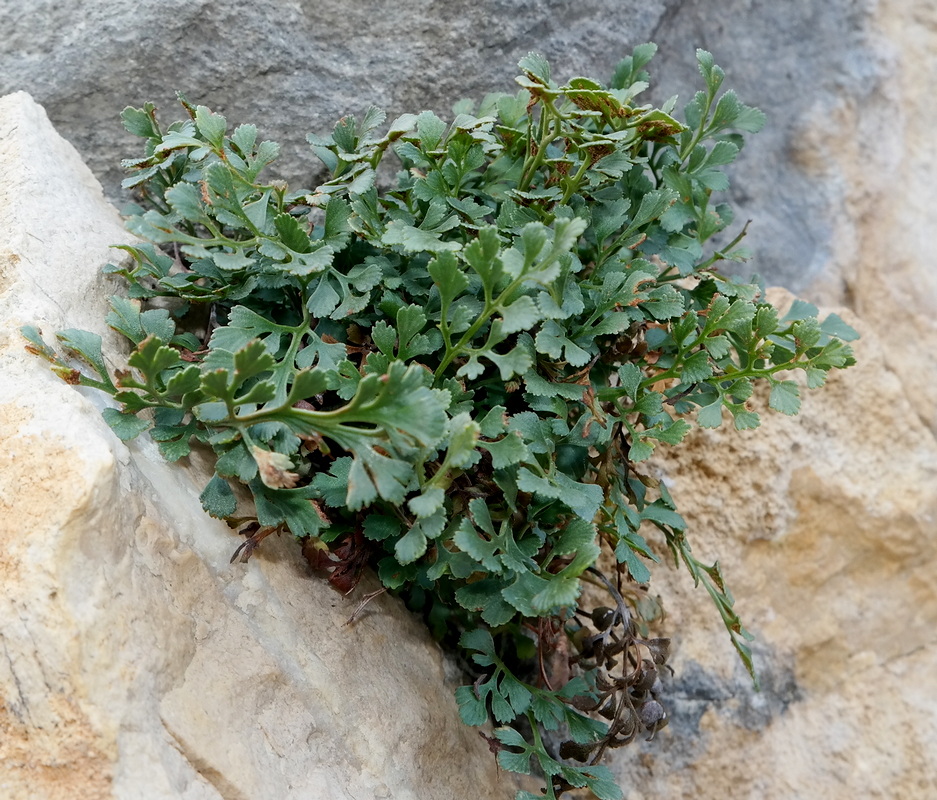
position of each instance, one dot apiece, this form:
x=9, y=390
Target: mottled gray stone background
x=294, y=66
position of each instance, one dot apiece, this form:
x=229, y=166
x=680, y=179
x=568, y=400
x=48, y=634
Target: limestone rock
x=886, y=172
x=135, y=662
x=825, y=526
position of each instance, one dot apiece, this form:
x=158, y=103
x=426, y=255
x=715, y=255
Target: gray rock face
x=295, y=66
x=290, y=67
x=795, y=62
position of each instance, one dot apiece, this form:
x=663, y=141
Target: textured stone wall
x=826, y=524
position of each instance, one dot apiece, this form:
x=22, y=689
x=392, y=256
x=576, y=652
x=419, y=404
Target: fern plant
x=455, y=379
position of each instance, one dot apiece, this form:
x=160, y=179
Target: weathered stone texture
x=290, y=66
x=137, y=664
x=825, y=525
x=884, y=156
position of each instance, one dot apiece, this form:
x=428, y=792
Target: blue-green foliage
x=466, y=366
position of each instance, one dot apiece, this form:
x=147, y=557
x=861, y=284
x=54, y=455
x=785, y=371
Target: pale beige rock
x=881, y=151
x=826, y=528
x=135, y=662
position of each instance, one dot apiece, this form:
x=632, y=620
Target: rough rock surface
x=135, y=662
x=290, y=66
x=825, y=525
x=885, y=171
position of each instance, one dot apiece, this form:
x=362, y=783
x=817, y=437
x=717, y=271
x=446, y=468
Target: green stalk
x=538, y=745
